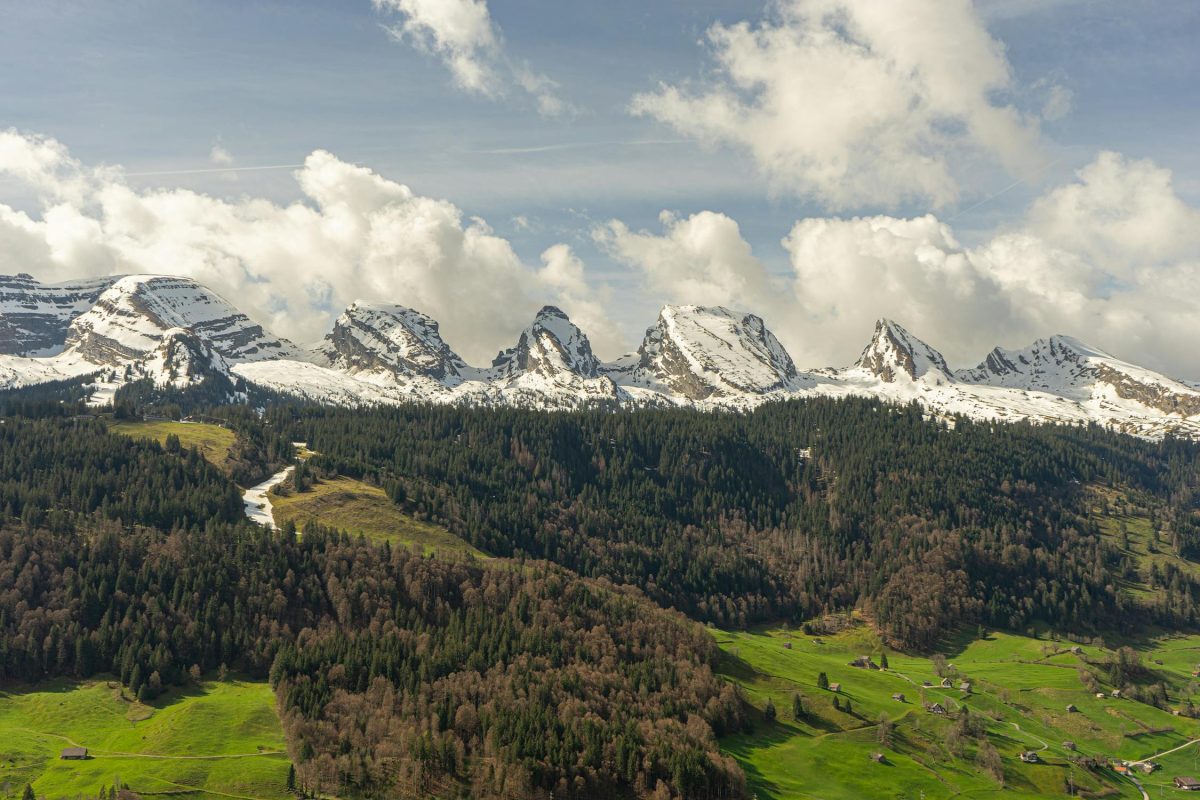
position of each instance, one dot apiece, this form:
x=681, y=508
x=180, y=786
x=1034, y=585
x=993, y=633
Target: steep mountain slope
x=370, y=337
x=552, y=347
x=132, y=317
x=551, y=366
x=699, y=353
x=1069, y=368
x=894, y=354
x=34, y=316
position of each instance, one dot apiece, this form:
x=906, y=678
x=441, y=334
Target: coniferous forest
x=575, y=661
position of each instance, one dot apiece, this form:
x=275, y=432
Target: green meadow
x=216, y=740
x=1021, y=688
x=212, y=441
x=360, y=508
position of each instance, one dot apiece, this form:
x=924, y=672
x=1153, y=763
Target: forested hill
x=557, y=666
x=396, y=675
x=791, y=510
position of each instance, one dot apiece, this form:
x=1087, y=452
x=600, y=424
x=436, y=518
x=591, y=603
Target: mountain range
x=177, y=332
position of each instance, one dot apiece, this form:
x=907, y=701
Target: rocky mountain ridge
x=175, y=331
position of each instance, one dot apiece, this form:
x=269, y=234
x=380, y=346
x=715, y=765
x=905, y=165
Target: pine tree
x=291, y=778
x=822, y=681
x=797, y=706
x=769, y=711
x=28, y=793
x=883, y=662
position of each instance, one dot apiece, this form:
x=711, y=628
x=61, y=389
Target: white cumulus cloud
x=856, y=103
x=464, y=36
x=355, y=234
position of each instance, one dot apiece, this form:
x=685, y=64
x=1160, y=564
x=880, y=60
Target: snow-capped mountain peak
x=895, y=354
x=1065, y=366
x=702, y=352
x=390, y=338
x=131, y=318
x=552, y=346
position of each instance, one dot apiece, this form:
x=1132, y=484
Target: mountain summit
x=895, y=354
x=393, y=339
x=552, y=346
x=706, y=352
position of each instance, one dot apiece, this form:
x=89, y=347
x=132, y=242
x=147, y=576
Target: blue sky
x=155, y=86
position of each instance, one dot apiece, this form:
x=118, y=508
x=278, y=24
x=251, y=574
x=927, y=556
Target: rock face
x=370, y=337
x=1064, y=366
x=895, y=354
x=34, y=317
x=131, y=318
x=699, y=352
x=552, y=347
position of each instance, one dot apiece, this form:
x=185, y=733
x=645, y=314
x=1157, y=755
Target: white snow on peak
x=894, y=354
x=133, y=315
x=176, y=332
x=552, y=347
x=385, y=337
x=709, y=353
x=1066, y=367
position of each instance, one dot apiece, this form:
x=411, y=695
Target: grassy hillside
x=1021, y=688
x=213, y=441
x=220, y=740
x=357, y=507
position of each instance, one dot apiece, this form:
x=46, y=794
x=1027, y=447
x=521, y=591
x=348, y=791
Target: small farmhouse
x=936, y=708
x=1071, y=709
x=835, y=687
x=74, y=754
x=1187, y=784
x=1030, y=757
x=898, y=697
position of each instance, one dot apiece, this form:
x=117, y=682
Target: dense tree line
x=52, y=464
x=794, y=509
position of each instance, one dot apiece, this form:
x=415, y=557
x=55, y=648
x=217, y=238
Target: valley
x=1025, y=692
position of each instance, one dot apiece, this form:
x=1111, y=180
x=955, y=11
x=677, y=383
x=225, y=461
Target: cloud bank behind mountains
x=1112, y=257
x=354, y=234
